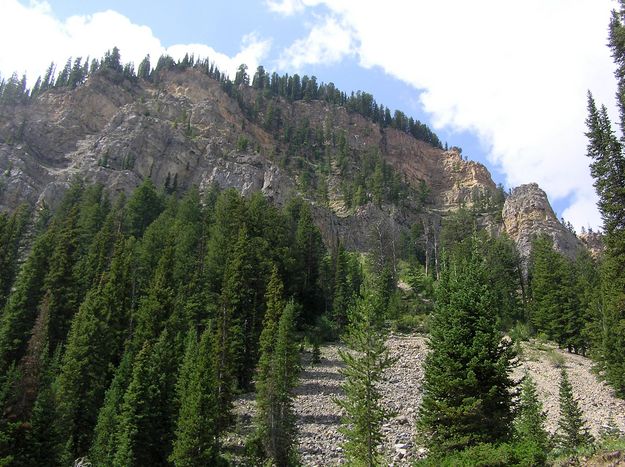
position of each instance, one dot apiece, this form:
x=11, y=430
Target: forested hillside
x=105, y=320
x=130, y=326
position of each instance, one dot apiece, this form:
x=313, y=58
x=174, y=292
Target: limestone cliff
x=184, y=129
x=593, y=241
x=527, y=213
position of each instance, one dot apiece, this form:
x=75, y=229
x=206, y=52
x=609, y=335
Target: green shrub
x=520, y=332
x=525, y=454
x=542, y=338
x=556, y=358
x=326, y=329
x=528, y=453
x=480, y=455
x=410, y=323
x=242, y=144
x=316, y=353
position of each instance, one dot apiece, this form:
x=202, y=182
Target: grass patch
x=555, y=358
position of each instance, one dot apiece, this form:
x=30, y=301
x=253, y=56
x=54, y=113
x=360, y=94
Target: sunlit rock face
x=527, y=213
x=184, y=130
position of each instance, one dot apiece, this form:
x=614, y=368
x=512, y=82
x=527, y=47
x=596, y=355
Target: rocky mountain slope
x=184, y=129
x=319, y=417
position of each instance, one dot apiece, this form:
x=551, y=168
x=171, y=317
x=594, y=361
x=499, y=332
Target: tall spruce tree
x=142, y=208
x=559, y=295
x=94, y=348
x=467, y=397
x=608, y=169
x=196, y=441
x=12, y=230
x=146, y=422
x=529, y=424
x=572, y=430
x=44, y=438
x=84, y=375
x=60, y=285
x=104, y=445
x=45, y=441
x=20, y=312
x=309, y=248
x=545, y=282
x=286, y=369
x=240, y=296
x=365, y=363
x=276, y=377
x=159, y=302
x=265, y=384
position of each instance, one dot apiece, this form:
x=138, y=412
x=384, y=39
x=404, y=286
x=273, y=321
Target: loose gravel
x=318, y=416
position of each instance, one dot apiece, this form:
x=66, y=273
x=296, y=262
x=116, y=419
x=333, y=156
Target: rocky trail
x=320, y=384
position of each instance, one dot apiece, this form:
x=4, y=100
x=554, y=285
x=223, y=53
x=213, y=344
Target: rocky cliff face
x=593, y=241
x=121, y=134
x=527, y=213
x=186, y=130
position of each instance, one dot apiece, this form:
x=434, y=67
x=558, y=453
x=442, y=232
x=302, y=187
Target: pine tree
x=144, y=69
x=506, y=277
x=44, y=438
x=227, y=220
x=60, y=285
x=20, y=312
x=572, y=430
x=277, y=374
x=12, y=230
x=146, y=422
x=309, y=251
x=228, y=339
x=240, y=294
x=189, y=229
x=197, y=439
x=467, y=396
x=608, y=170
x=159, y=303
x=555, y=307
x=529, y=424
x=104, y=445
x=365, y=363
x=94, y=346
x=84, y=375
x=588, y=285
x=341, y=299
x=142, y=208
x=546, y=281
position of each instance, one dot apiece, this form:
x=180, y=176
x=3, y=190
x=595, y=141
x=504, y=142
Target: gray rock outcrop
x=184, y=129
x=527, y=213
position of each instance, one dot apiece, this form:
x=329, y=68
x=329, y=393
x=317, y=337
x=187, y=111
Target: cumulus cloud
x=252, y=51
x=515, y=75
x=92, y=36
x=326, y=43
x=285, y=7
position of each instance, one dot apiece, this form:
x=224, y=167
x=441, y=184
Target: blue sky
x=504, y=80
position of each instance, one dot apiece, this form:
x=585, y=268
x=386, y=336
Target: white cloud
x=252, y=52
x=326, y=43
x=515, y=74
x=285, y=7
x=93, y=35
x=582, y=212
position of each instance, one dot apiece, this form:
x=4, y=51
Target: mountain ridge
x=185, y=128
